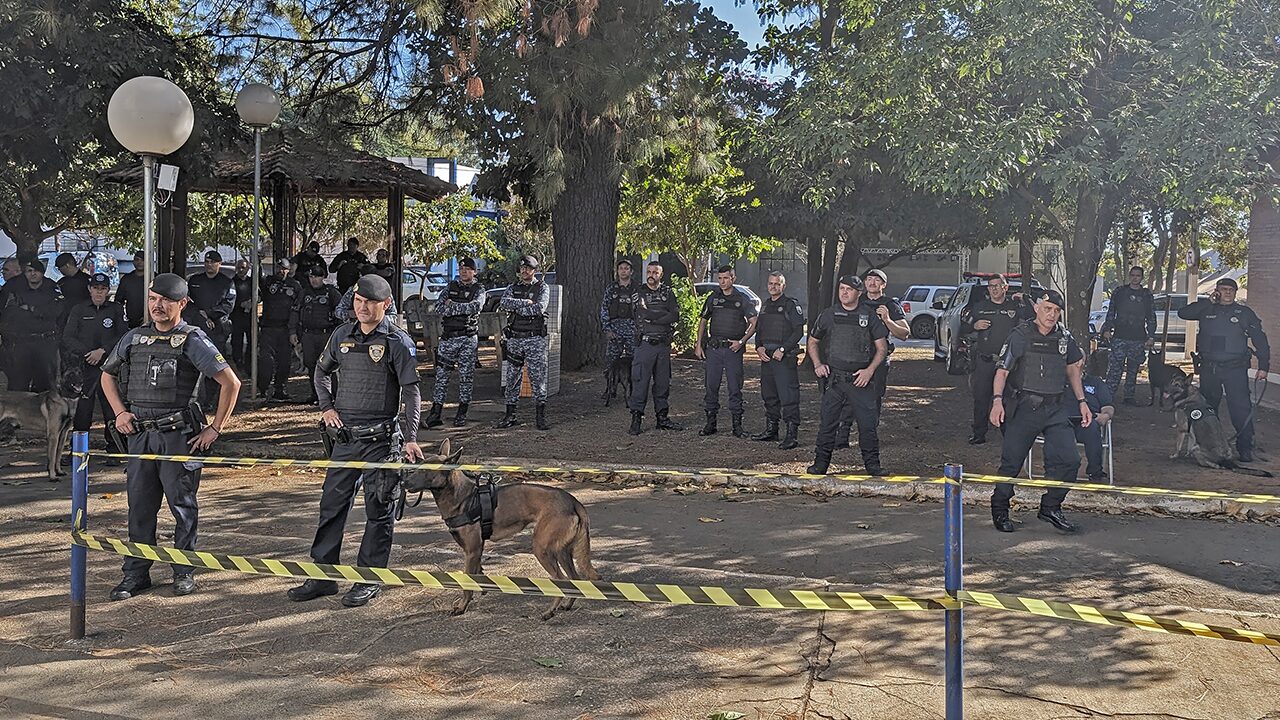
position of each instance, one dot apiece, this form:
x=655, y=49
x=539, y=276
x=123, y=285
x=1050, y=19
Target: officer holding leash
x=778, y=333
x=459, y=309
x=728, y=320
x=525, y=341
x=656, y=313
x=150, y=380
x=365, y=419
x=617, y=309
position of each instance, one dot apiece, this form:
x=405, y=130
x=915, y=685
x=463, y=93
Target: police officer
x=346, y=308
x=891, y=314
x=848, y=342
x=307, y=259
x=130, y=292
x=214, y=296
x=93, y=328
x=525, y=341
x=242, y=315
x=1225, y=331
x=375, y=403
x=346, y=264
x=616, y=308
x=1042, y=365
x=991, y=319
x=778, y=334
x=1131, y=318
x=1102, y=405
x=314, y=322
x=280, y=294
x=728, y=319
x=656, y=313
x=459, y=309
x=29, y=314
x=74, y=283
x=149, y=379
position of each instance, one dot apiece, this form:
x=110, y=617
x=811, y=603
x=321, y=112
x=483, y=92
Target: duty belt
x=451, y=334
x=719, y=343
x=316, y=331
x=362, y=433
x=168, y=423
x=655, y=339
x=512, y=335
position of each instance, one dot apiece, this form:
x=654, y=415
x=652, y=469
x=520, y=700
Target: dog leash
x=1253, y=410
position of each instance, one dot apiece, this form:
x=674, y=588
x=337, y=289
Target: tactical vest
x=525, y=324
x=159, y=375
x=1222, y=334
x=728, y=315
x=459, y=325
x=1043, y=368
x=660, y=300
x=1003, y=319
x=848, y=345
x=366, y=385
x=316, y=312
x=773, y=327
x=1131, y=321
x=277, y=301
x=622, y=302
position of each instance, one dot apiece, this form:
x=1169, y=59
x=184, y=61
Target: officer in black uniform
x=29, y=314
x=728, y=320
x=314, y=322
x=1225, y=331
x=895, y=320
x=346, y=264
x=656, y=313
x=778, y=333
x=377, y=381
x=307, y=259
x=459, y=309
x=279, y=294
x=991, y=319
x=847, y=343
x=74, y=283
x=1131, y=321
x=214, y=296
x=242, y=315
x=149, y=380
x=93, y=328
x=1042, y=365
x=131, y=294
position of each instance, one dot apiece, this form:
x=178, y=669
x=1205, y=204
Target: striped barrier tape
x=785, y=599
x=1251, y=498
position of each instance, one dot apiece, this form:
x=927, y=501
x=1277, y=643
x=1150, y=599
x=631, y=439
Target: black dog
x=618, y=377
x=1161, y=375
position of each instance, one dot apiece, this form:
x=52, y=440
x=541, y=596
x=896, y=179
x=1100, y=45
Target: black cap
x=63, y=259
x=34, y=264
x=624, y=261
x=1054, y=297
x=530, y=261
x=852, y=281
x=283, y=263
x=313, y=246
x=467, y=262
x=1227, y=282
x=373, y=287
x=318, y=271
x=170, y=286
x=100, y=279
x=878, y=273
x=213, y=255
x=139, y=253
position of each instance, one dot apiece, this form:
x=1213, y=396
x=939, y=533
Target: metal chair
x=1110, y=457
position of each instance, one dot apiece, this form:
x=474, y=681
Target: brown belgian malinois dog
x=50, y=412
x=561, y=534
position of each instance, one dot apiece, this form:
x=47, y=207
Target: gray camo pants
x=522, y=352
x=456, y=353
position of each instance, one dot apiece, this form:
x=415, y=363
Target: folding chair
x=1109, y=457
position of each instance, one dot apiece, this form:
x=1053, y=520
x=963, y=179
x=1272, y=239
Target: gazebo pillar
x=395, y=239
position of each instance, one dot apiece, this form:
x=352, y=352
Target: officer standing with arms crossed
x=314, y=322
x=728, y=320
x=525, y=341
x=1045, y=365
x=1225, y=331
x=1131, y=318
x=279, y=295
x=459, y=310
x=29, y=313
x=93, y=329
x=149, y=380
x=992, y=319
x=376, y=403
x=656, y=313
x=848, y=342
x=778, y=333
x=132, y=294
x=616, y=317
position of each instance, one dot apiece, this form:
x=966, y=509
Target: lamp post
x=151, y=117
x=258, y=106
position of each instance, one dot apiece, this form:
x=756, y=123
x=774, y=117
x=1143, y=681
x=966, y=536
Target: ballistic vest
x=622, y=301
x=1003, y=318
x=278, y=297
x=848, y=345
x=773, y=327
x=1043, y=369
x=458, y=325
x=318, y=304
x=159, y=375
x=366, y=384
x=655, y=302
x=728, y=315
x=1222, y=333
x=1131, y=315
x=536, y=324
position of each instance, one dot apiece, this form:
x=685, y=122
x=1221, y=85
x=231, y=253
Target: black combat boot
x=636, y=418
x=871, y=461
x=433, y=417
x=710, y=427
x=821, y=461
x=1000, y=518
x=789, y=442
x=842, y=437
x=666, y=423
x=509, y=418
x=770, y=430
x=738, y=432
x=460, y=419
x=540, y=416
x=1055, y=517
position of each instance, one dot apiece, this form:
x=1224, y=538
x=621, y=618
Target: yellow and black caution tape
x=1251, y=498
x=586, y=589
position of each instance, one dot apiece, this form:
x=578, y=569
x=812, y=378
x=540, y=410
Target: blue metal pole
x=954, y=581
x=79, y=512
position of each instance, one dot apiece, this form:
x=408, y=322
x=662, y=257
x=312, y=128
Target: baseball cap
x=283, y=262
x=139, y=254
x=63, y=259
x=467, y=262
x=878, y=273
x=100, y=279
x=213, y=255
x=1227, y=282
x=529, y=261
x=318, y=271
x=35, y=264
x=852, y=281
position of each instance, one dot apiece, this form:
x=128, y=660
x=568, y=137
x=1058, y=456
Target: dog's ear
x=452, y=459
x=444, y=448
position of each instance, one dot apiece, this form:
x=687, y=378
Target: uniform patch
x=345, y=347
x=219, y=358
x=862, y=320
x=1010, y=313
x=1090, y=389
x=1062, y=346
x=177, y=340
x=1196, y=414
x=108, y=322
x=1235, y=318
x=376, y=352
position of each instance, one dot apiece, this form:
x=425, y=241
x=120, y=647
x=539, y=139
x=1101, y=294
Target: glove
x=386, y=486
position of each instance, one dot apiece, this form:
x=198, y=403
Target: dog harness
x=479, y=506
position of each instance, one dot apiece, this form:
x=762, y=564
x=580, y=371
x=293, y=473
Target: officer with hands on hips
x=728, y=320
x=778, y=333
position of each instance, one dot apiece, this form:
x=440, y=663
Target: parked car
x=1177, y=326
x=493, y=295
x=973, y=289
x=706, y=288
x=918, y=305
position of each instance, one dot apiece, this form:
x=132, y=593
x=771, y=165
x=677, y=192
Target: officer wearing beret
x=777, y=343
x=93, y=329
x=1042, y=366
x=131, y=292
x=74, y=283
x=656, y=313
x=313, y=321
x=346, y=307
x=728, y=320
x=1226, y=329
x=30, y=310
x=459, y=309
x=280, y=295
x=149, y=380
x=373, y=410
x=525, y=341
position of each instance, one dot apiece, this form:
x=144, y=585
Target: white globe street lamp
x=150, y=117
x=258, y=106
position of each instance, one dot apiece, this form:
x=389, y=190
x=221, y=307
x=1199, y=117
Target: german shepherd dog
x=561, y=535
x=618, y=378
x=1161, y=376
x=52, y=411
x=1200, y=434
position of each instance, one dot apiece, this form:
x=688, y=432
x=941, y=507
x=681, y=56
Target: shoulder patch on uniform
x=376, y=352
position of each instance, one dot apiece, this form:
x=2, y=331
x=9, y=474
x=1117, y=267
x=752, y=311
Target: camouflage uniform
x=460, y=313
x=531, y=352
x=1131, y=317
x=616, y=316
x=526, y=339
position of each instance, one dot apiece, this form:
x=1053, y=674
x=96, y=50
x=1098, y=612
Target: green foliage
x=686, y=330
x=447, y=228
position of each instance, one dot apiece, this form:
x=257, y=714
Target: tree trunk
x=827, y=285
x=1264, y=262
x=813, y=267
x=849, y=258
x=1083, y=253
x=1160, y=222
x=584, y=222
x=1026, y=243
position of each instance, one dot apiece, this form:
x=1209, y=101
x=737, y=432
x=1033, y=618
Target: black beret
x=852, y=281
x=318, y=271
x=1227, y=282
x=63, y=259
x=213, y=255
x=373, y=287
x=170, y=286
x=467, y=262
x=34, y=265
x=99, y=279
x=1054, y=297
x=530, y=261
